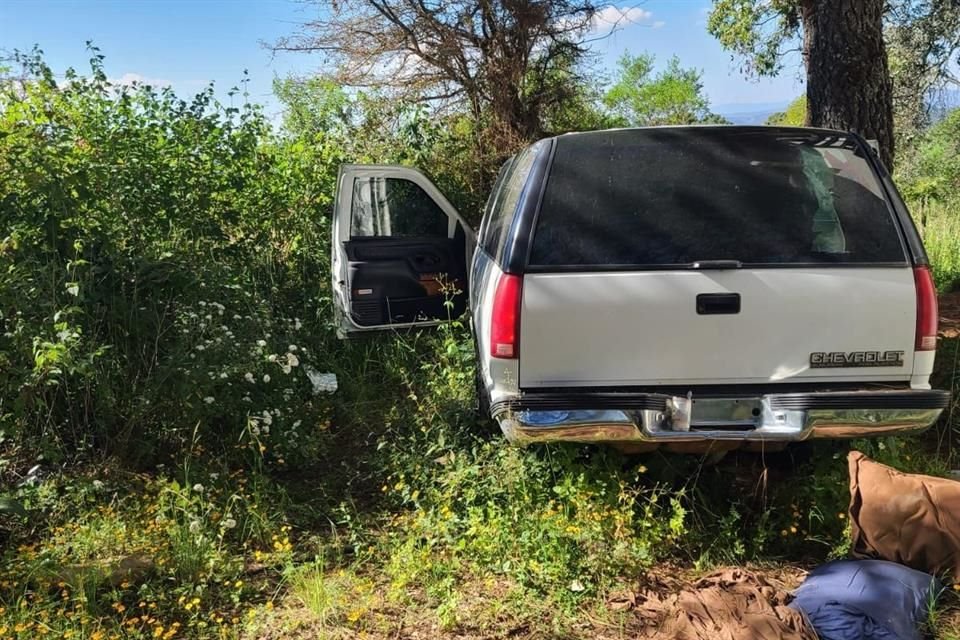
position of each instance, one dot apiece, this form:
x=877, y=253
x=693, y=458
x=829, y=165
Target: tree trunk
x=848, y=82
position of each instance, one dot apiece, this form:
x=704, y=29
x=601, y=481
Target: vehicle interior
x=405, y=262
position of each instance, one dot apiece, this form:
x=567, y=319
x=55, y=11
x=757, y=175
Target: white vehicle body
x=825, y=328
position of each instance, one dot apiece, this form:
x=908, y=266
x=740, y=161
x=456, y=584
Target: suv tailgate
x=643, y=328
x=715, y=256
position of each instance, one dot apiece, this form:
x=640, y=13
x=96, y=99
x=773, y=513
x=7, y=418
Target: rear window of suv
x=675, y=196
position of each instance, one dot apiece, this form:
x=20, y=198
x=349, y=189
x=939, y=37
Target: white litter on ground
x=322, y=382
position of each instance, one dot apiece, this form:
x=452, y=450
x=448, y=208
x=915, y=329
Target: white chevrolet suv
x=662, y=285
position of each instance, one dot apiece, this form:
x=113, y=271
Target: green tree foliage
x=153, y=253
x=759, y=33
x=641, y=97
x=794, y=116
x=495, y=59
x=848, y=81
x=931, y=169
x=313, y=106
x=922, y=40
x=374, y=127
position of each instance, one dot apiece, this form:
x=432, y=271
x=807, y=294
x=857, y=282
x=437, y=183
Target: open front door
x=400, y=250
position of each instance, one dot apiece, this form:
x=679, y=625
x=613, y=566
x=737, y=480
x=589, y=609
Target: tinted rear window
x=655, y=197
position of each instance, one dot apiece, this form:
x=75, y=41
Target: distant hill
x=749, y=112
x=944, y=102
x=941, y=103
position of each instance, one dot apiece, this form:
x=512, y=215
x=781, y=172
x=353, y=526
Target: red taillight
x=926, y=309
x=505, y=321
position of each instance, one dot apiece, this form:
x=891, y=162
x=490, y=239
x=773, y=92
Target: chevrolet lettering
x=822, y=360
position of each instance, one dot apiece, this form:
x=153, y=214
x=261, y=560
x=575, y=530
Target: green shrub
x=154, y=252
x=939, y=224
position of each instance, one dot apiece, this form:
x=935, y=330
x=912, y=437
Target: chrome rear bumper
x=656, y=418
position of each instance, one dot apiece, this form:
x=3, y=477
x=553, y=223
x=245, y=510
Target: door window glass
x=394, y=207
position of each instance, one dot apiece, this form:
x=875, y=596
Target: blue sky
x=188, y=43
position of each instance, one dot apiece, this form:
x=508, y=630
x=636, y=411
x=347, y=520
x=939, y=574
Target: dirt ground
x=950, y=315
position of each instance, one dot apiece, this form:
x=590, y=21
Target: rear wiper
x=715, y=264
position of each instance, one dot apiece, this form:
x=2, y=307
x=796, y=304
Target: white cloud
x=129, y=79
x=659, y=24
x=611, y=17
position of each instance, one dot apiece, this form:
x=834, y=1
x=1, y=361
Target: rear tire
x=481, y=401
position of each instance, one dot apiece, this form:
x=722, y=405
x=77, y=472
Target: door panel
x=403, y=281
x=399, y=250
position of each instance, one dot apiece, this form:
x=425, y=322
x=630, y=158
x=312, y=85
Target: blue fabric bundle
x=866, y=600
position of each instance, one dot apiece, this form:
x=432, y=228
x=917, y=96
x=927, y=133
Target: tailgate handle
x=709, y=304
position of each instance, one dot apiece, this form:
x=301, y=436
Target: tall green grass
x=939, y=224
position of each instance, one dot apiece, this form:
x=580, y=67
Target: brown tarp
x=730, y=604
x=906, y=518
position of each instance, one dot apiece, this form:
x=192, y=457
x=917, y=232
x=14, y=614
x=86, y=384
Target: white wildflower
x=223, y=375
x=198, y=488
x=266, y=377
x=297, y=324
x=261, y=343
x=229, y=523
x=286, y=368
x=195, y=526
x=272, y=357
x=214, y=476
x=297, y=423
x=98, y=484
x=293, y=360
x=255, y=430
x=202, y=303
x=248, y=377
x=200, y=347
x=237, y=316
x=208, y=399
x=292, y=348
